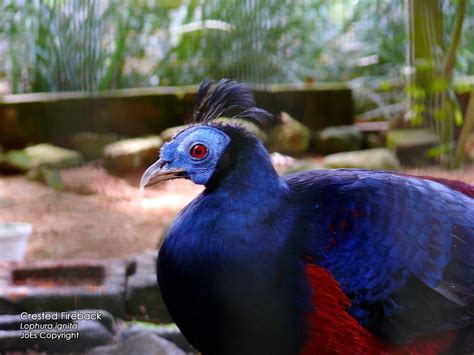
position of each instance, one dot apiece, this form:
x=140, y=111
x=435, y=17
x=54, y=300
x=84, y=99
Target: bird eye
x=198, y=151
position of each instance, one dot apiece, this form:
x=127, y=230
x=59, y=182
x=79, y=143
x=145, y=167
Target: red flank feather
x=332, y=330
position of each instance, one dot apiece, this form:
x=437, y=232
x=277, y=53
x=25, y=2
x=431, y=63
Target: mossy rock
x=412, y=145
x=92, y=144
x=289, y=136
x=371, y=159
x=301, y=165
x=131, y=154
x=47, y=176
x=410, y=138
x=338, y=139
x=40, y=155
x=374, y=140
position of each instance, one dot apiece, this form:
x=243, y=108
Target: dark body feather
x=226, y=270
x=401, y=248
x=232, y=268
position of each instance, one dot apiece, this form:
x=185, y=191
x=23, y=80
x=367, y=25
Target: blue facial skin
x=176, y=153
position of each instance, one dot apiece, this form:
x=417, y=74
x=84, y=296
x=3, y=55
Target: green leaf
x=439, y=150
x=418, y=93
x=416, y=119
x=424, y=66
x=463, y=87
x=458, y=119
x=440, y=114
x=439, y=85
x=385, y=85
x=419, y=108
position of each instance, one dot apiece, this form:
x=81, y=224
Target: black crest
x=227, y=96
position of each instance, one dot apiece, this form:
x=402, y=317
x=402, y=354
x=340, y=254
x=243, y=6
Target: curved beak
x=159, y=172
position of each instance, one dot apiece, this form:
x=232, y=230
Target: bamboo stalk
x=449, y=63
x=450, y=59
x=466, y=129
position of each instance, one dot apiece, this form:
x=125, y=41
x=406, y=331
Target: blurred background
x=386, y=52
x=90, y=90
x=50, y=45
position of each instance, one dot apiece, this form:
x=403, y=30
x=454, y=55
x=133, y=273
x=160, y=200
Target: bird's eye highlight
x=198, y=151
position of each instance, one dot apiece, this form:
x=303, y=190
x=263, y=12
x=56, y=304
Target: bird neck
x=247, y=171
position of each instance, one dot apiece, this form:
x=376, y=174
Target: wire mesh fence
x=386, y=50
x=53, y=45
x=88, y=45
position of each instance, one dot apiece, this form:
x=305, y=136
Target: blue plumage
x=233, y=269
x=386, y=229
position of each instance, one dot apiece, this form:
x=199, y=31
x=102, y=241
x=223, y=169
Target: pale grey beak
x=159, y=172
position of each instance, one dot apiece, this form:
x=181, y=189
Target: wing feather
x=399, y=246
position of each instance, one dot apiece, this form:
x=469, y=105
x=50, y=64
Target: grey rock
x=76, y=336
x=372, y=159
x=143, y=297
x=289, y=136
x=144, y=342
x=382, y=113
x=131, y=154
x=282, y=162
x=95, y=284
x=285, y=164
x=92, y=144
x=411, y=145
x=301, y=165
x=374, y=140
x=169, y=332
x=7, y=307
x=91, y=334
x=40, y=155
x=338, y=139
x=107, y=319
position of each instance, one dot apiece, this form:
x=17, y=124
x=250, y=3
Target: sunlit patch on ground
x=98, y=215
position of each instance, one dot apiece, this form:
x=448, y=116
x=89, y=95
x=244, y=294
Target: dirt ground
x=97, y=216
x=104, y=216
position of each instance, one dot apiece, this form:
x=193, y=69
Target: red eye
x=198, y=151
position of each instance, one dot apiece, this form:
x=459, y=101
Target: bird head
x=192, y=154
x=195, y=152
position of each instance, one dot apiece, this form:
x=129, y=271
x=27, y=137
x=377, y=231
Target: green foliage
x=53, y=45
x=88, y=45
x=439, y=150
x=435, y=38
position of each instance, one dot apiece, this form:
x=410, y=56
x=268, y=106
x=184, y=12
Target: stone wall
x=55, y=117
